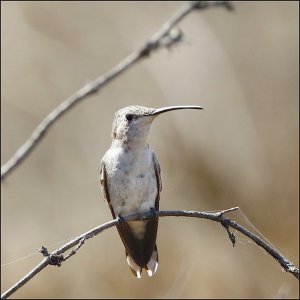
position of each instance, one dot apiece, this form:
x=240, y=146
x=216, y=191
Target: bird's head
x=132, y=124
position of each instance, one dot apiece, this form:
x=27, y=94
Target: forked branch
x=56, y=257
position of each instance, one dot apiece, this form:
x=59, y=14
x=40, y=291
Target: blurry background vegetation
x=242, y=150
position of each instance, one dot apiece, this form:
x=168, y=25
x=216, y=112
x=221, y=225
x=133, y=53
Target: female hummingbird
x=131, y=183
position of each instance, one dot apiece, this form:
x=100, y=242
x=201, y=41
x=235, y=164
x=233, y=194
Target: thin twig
x=74, y=251
x=284, y=262
x=162, y=38
x=217, y=217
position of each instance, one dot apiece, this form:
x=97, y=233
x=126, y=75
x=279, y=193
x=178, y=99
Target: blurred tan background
x=242, y=150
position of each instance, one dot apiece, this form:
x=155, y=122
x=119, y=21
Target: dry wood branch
x=56, y=256
x=165, y=37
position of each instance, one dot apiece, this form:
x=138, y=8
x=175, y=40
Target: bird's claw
x=120, y=219
x=153, y=212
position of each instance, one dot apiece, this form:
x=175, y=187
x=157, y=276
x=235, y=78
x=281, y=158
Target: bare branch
x=165, y=37
x=56, y=256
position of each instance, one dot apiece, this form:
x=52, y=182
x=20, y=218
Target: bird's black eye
x=130, y=117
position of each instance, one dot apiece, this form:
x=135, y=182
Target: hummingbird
x=130, y=178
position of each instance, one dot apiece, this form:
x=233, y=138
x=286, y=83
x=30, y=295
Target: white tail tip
x=152, y=265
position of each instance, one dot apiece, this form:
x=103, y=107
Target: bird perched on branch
x=131, y=183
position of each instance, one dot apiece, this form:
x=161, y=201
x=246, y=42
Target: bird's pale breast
x=132, y=184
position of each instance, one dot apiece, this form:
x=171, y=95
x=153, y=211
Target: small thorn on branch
x=44, y=251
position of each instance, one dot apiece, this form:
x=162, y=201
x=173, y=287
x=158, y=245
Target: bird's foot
x=120, y=219
x=153, y=212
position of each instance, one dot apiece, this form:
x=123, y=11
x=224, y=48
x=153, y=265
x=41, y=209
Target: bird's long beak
x=169, y=108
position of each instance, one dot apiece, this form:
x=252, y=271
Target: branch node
x=89, y=236
x=292, y=269
x=54, y=259
x=148, y=48
x=174, y=36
